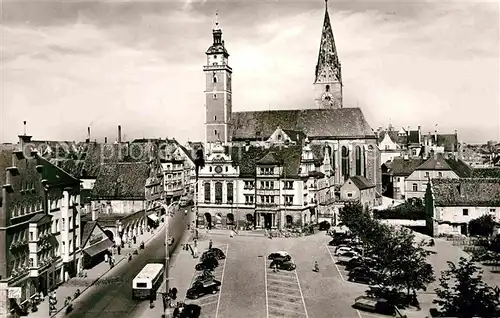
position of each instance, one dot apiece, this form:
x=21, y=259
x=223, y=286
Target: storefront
x=97, y=245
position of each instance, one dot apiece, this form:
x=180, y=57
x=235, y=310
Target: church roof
x=341, y=123
x=328, y=66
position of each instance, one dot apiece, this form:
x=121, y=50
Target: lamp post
x=167, y=260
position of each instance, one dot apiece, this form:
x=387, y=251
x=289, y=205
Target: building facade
x=40, y=219
x=452, y=203
x=359, y=189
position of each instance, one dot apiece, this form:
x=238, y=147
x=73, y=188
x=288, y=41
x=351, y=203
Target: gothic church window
x=358, y=161
x=345, y=162
x=229, y=192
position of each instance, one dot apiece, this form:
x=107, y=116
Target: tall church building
x=328, y=75
x=321, y=142
x=218, y=91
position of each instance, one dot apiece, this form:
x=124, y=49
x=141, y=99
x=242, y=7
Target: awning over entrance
x=98, y=248
x=153, y=217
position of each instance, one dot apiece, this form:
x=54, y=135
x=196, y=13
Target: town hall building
x=280, y=167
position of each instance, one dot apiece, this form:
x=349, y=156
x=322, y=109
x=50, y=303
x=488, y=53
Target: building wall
x=399, y=187
x=421, y=178
x=218, y=102
x=119, y=206
x=349, y=191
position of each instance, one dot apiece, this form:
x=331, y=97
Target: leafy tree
x=482, y=226
x=462, y=292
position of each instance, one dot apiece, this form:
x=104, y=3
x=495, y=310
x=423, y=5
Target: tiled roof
x=289, y=157
x=315, y=123
x=404, y=167
x=268, y=159
x=125, y=181
x=394, y=135
x=486, y=173
x=54, y=175
x=361, y=182
x=73, y=167
x=435, y=162
x=466, y=192
x=462, y=169
x=295, y=135
x=87, y=229
x=438, y=162
x=448, y=141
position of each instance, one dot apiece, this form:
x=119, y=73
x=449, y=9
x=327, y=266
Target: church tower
x=218, y=99
x=328, y=77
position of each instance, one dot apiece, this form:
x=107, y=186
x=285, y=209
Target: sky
x=68, y=65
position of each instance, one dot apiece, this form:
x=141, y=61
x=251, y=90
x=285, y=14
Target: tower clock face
x=218, y=169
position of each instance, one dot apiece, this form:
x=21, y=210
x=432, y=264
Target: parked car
x=346, y=257
x=284, y=265
x=201, y=288
x=208, y=264
x=362, y=275
x=206, y=275
x=376, y=305
x=359, y=261
x=207, y=255
x=280, y=255
x=189, y=311
x=219, y=254
x=343, y=249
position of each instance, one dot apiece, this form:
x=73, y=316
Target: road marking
x=301, y=294
x=278, y=286
x=221, y=281
x=265, y=283
x=281, y=294
x=280, y=281
x=289, y=310
x=335, y=263
x=281, y=276
x=340, y=274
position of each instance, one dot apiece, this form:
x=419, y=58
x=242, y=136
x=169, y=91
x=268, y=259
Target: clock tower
x=328, y=77
x=218, y=99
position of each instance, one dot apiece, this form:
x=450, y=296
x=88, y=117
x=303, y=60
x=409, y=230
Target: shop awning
x=98, y=248
x=153, y=217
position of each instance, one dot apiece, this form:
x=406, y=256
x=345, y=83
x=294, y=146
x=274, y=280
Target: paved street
x=251, y=289
x=114, y=300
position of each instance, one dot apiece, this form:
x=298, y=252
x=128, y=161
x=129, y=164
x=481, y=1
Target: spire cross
x=217, y=18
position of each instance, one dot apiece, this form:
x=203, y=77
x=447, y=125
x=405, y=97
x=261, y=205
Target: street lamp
x=167, y=260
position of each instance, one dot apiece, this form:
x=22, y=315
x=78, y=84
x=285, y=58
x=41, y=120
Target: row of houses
x=63, y=204
x=407, y=178
x=276, y=185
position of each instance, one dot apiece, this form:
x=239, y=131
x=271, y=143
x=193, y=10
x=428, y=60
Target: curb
x=110, y=269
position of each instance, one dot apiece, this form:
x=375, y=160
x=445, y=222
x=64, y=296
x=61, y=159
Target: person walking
x=195, y=242
x=135, y=239
x=195, y=252
x=210, y=243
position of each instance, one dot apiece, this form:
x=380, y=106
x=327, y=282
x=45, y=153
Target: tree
x=462, y=292
x=482, y=226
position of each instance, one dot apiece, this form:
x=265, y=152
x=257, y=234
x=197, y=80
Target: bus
x=147, y=282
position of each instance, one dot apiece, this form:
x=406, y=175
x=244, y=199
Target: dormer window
x=279, y=137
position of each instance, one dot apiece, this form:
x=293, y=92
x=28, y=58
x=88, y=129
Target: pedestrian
x=210, y=243
x=118, y=248
x=195, y=242
x=135, y=239
x=151, y=303
x=195, y=252
x=196, y=234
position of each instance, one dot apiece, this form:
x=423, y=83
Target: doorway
x=268, y=220
x=289, y=221
x=208, y=218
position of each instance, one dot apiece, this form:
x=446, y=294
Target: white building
x=452, y=203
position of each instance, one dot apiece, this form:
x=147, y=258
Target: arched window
x=214, y=77
x=364, y=163
x=229, y=192
x=327, y=88
x=345, y=162
x=207, y=192
x=218, y=192
x=358, y=160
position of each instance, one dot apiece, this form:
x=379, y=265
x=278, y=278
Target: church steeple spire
x=328, y=76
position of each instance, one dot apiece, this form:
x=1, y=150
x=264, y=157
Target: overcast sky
x=67, y=66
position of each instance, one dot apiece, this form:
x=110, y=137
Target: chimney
x=88, y=134
x=105, y=140
x=95, y=214
x=119, y=134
